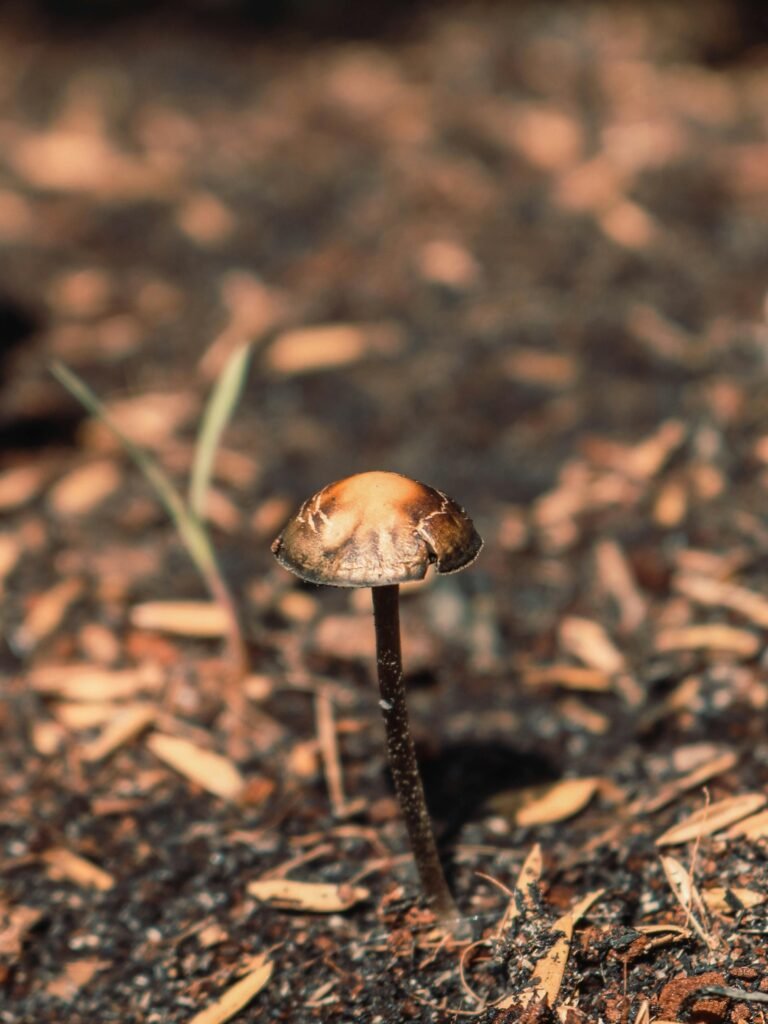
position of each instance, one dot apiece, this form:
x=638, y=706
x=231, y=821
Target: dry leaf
x=84, y=682
x=541, y=369
x=713, y=593
x=19, y=486
x=715, y=636
x=150, y=420
x=550, y=969
x=15, y=922
x=713, y=818
x=671, y=505
x=213, y=772
x=530, y=874
x=205, y=219
x=718, y=902
x=10, y=553
x=76, y=974
x=80, y=491
x=126, y=725
x=589, y=642
x=447, y=263
x=64, y=864
x=181, y=618
x=47, y=737
x=687, y=895
x=643, y=1015
x=307, y=349
x=717, y=766
x=85, y=716
x=48, y=611
x=68, y=160
x=581, y=715
x=569, y=677
x=674, y=930
x=617, y=579
x=238, y=995
x=314, y=897
x=556, y=802
x=754, y=827
x=649, y=457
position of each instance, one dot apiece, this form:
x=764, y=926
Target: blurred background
x=491, y=245
x=518, y=250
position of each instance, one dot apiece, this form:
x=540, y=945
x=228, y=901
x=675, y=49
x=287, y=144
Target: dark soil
x=538, y=235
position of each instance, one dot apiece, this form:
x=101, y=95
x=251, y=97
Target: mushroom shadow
x=464, y=776
x=29, y=429
x=16, y=325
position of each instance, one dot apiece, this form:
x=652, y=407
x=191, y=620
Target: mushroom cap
x=376, y=529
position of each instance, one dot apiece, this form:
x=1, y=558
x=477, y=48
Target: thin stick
x=402, y=753
x=329, y=750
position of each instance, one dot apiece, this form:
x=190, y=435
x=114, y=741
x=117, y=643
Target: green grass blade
x=190, y=530
x=218, y=410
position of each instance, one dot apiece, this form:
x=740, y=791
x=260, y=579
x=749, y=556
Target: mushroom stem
x=402, y=753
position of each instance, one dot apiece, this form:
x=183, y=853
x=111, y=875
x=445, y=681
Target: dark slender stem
x=402, y=754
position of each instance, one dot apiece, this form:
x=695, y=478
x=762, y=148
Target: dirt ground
x=518, y=251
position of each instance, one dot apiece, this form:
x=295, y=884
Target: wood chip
x=47, y=612
x=85, y=682
x=63, y=864
x=125, y=726
x=714, y=593
x=181, y=618
x=212, y=772
x=237, y=996
x=714, y=818
x=715, y=636
x=588, y=641
x=313, y=897
x=83, y=489
x=326, y=347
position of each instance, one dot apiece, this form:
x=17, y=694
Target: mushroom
x=379, y=530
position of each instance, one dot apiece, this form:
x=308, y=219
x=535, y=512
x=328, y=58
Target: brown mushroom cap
x=375, y=529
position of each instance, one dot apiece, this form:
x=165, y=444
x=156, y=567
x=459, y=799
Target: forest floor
x=517, y=251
